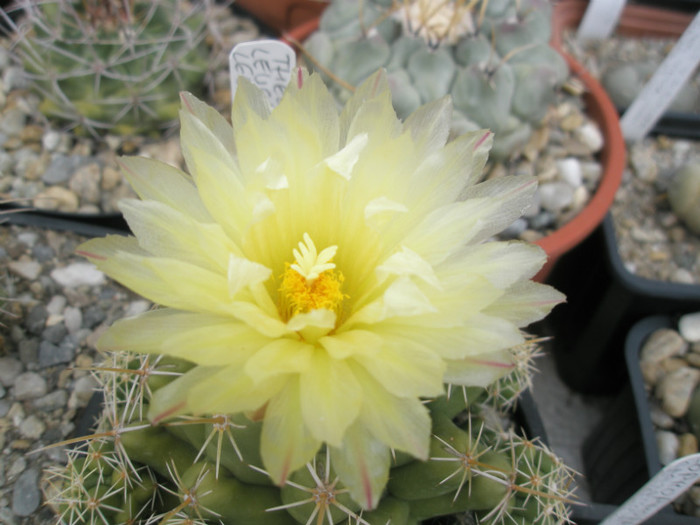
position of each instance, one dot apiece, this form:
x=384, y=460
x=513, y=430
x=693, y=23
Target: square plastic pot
x=620, y=454
x=604, y=300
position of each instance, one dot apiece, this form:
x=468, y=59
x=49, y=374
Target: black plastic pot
x=604, y=300
x=620, y=454
x=91, y=225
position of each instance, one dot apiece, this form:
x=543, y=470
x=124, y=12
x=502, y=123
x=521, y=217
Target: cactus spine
x=492, y=56
x=208, y=470
x=108, y=65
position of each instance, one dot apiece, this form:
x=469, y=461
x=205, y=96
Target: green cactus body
x=112, y=66
x=207, y=470
x=491, y=56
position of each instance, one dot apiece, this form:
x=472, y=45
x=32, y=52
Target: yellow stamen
x=312, y=282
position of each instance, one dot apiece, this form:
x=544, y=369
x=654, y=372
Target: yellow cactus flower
x=325, y=271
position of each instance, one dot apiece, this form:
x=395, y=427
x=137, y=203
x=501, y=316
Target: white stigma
x=310, y=264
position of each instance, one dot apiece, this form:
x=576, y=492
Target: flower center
x=311, y=282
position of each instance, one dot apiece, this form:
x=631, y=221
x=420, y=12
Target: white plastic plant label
x=266, y=63
x=659, y=491
x=600, y=19
x=664, y=85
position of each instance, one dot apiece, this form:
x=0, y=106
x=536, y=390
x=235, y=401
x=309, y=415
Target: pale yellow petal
x=280, y=357
x=216, y=175
x=167, y=282
x=201, y=338
x=344, y=160
x=285, y=443
x=373, y=87
x=171, y=400
x=331, y=397
x=502, y=263
x=243, y=273
x=400, y=423
x=362, y=463
x=515, y=194
x=410, y=264
x=167, y=232
x=526, y=302
x=155, y=180
x=429, y=125
x=211, y=118
x=405, y=368
x=479, y=370
x=349, y=343
x=230, y=391
x=479, y=334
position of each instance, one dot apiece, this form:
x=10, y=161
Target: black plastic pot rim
x=642, y=285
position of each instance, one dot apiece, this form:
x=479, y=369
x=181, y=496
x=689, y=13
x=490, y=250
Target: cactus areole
x=112, y=66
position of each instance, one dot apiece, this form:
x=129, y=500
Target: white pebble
x=77, y=274
x=73, y=319
x=555, y=196
x=591, y=136
x=668, y=446
x=570, y=171
x=56, y=305
x=137, y=307
x=51, y=140
x=689, y=327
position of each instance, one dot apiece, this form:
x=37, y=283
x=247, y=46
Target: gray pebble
x=543, y=220
x=51, y=354
x=32, y=427
x=28, y=238
x=29, y=385
x=29, y=270
x=29, y=351
x=676, y=388
x=42, y=253
x=61, y=168
x=12, y=121
x=92, y=316
x=25, y=494
x=51, y=401
x=5, y=405
x=83, y=390
x=10, y=368
x=54, y=334
x=85, y=183
x=35, y=321
x=515, y=229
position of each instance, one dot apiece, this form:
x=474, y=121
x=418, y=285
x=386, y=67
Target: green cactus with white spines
x=208, y=470
x=109, y=65
x=492, y=56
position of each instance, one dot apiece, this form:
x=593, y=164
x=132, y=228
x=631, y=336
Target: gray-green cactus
x=108, y=65
x=208, y=470
x=492, y=56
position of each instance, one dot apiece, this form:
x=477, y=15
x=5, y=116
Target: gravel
x=47, y=346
